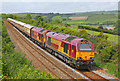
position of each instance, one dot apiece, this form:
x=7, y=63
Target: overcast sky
x=57, y=6
x=59, y=0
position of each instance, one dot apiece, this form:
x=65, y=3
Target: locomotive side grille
x=70, y=38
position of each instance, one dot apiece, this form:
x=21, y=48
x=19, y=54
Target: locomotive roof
x=64, y=37
x=37, y=29
x=61, y=36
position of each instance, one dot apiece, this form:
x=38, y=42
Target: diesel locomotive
x=75, y=51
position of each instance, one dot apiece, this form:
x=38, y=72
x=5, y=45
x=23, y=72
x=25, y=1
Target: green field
x=112, y=38
x=92, y=18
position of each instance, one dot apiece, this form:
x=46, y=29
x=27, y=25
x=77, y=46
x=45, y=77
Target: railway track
x=92, y=76
x=20, y=38
x=39, y=55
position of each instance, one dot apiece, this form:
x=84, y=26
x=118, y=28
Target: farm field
x=78, y=18
x=111, y=37
x=89, y=18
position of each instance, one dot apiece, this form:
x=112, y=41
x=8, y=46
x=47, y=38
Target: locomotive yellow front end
x=85, y=54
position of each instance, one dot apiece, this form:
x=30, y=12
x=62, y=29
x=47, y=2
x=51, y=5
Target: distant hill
x=94, y=17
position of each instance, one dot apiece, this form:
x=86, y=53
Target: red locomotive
x=77, y=52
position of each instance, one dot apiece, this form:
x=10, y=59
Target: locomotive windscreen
x=85, y=47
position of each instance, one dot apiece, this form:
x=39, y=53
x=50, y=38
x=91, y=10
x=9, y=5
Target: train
x=75, y=51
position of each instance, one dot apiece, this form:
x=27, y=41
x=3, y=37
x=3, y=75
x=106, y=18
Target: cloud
x=57, y=7
x=59, y=0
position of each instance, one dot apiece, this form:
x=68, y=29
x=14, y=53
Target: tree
x=56, y=21
x=29, y=16
x=39, y=17
x=10, y=16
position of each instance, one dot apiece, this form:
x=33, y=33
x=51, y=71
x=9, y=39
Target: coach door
x=49, y=41
x=72, y=51
x=42, y=37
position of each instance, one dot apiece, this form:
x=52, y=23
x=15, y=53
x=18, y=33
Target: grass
x=111, y=37
x=93, y=18
x=110, y=67
x=61, y=18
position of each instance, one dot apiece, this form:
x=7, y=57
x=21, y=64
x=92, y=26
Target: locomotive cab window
x=39, y=36
x=49, y=41
x=65, y=48
x=85, y=47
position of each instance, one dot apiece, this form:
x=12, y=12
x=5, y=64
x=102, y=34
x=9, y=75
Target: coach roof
x=28, y=26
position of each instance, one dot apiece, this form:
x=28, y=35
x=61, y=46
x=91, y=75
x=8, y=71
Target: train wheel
x=64, y=59
x=56, y=54
x=71, y=64
x=44, y=45
x=77, y=65
x=67, y=61
x=90, y=67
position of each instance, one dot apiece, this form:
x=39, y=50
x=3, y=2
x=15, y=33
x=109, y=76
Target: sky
x=56, y=6
x=59, y=0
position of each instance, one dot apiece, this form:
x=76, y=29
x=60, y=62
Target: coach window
x=32, y=33
x=49, y=41
x=39, y=36
x=72, y=47
x=65, y=48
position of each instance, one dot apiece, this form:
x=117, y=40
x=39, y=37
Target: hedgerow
x=98, y=30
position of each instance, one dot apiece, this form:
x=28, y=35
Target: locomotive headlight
x=91, y=57
x=78, y=57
